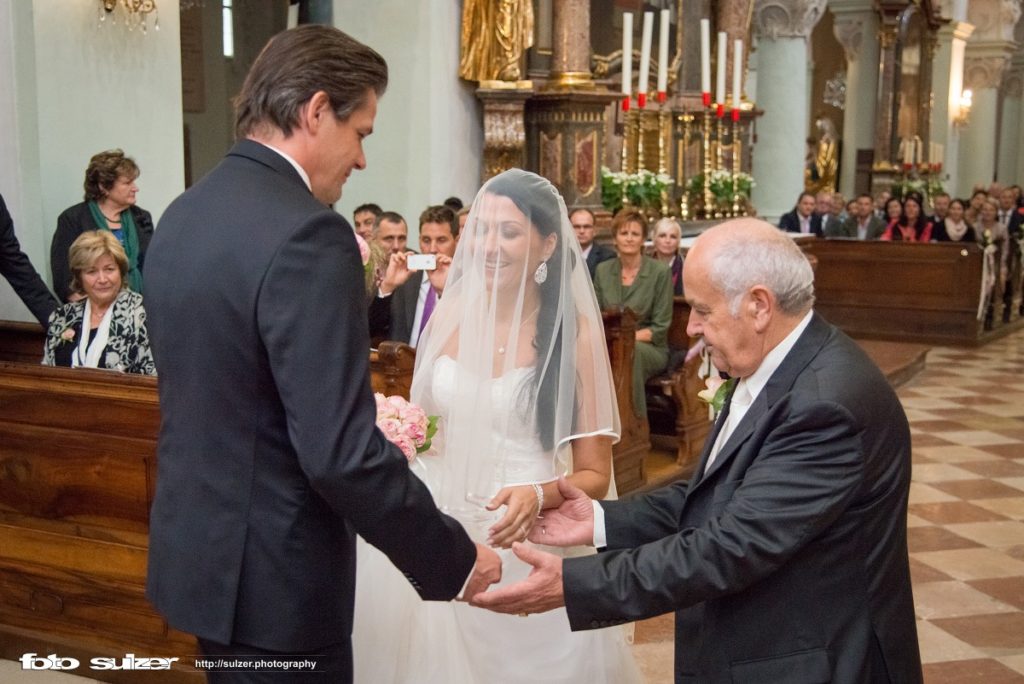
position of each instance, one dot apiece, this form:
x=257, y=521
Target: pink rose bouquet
x=405, y=424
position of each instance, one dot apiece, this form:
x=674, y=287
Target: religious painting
x=551, y=157
x=586, y=163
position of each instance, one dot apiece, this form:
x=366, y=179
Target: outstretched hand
x=571, y=524
x=541, y=591
x=486, y=572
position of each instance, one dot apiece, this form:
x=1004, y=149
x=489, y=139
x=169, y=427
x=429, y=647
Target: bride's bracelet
x=539, y=491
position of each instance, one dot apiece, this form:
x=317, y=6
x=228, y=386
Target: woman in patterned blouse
x=106, y=328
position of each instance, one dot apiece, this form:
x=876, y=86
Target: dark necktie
x=428, y=308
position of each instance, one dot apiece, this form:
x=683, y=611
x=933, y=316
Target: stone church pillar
x=987, y=58
x=783, y=27
x=856, y=29
x=948, y=79
x=1010, y=138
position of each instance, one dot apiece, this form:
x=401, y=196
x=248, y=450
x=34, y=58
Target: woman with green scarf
x=109, y=205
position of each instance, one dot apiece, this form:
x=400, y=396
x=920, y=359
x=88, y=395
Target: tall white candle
x=663, y=51
x=627, y=54
x=737, y=73
x=645, y=54
x=705, y=56
x=723, y=41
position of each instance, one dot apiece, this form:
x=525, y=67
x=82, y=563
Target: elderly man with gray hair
x=785, y=555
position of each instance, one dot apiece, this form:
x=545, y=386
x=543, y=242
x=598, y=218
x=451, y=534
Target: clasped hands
x=570, y=524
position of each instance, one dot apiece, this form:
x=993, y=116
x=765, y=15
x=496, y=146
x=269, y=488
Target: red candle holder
x=641, y=100
x=735, y=114
x=662, y=96
x=720, y=110
x=625, y=104
x=706, y=99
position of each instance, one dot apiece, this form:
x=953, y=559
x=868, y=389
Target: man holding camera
x=406, y=296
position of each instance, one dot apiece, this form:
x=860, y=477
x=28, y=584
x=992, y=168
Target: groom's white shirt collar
x=298, y=167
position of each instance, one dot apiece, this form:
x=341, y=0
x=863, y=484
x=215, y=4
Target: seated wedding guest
x=940, y=208
x=851, y=208
x=644, y=285
x=802, y=219
x=911, y=226
x=391, y=232
x=862, y=223
x=20, y=273
x=583, y=221
x=839, y=205
x=406, y=298
x=454, y=203
x=881, y=202
x=109, y=205
x=954, y=228
x=893, y=210
x=363, y=218
x=666, y=236
x=826, y=209
x=106, y=326
x=973, y=211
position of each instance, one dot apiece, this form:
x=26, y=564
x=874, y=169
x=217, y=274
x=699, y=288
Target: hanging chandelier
x=136, y=13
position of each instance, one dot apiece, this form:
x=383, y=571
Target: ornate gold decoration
x=495, y=36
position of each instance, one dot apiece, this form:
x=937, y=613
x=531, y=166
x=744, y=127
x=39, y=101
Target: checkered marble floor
x=966, y=517
x=965, y=523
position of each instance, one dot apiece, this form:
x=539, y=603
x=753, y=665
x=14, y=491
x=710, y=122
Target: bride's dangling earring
x=541, y=274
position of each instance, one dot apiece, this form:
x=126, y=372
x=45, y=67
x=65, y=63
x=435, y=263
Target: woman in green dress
x=644, y=285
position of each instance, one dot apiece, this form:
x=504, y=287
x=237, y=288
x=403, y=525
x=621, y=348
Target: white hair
x=666, y=223
x=741, y=262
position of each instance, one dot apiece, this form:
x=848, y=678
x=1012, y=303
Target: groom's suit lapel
x=806, y=348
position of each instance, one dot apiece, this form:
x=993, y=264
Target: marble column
x=885, y=120
x=983, y=73
x=856, y=29
x=1010, y=139
x=986, y=61
x=948, y=78
x=570, y=47
x=783, y=28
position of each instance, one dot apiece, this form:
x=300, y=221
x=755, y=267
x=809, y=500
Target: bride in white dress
x=514, y=361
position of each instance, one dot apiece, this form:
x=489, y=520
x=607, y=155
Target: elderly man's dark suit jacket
x=597, y=254
x=787, y=561
x=19, y=272
x=790, y=222
x=391, y=318
x=269, y=458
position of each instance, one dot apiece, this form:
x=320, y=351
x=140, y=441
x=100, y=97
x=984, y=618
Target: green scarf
x=131, y=242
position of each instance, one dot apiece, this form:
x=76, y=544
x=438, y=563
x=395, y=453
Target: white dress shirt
x=752, y=385
x=288, y=158
x=421, y=299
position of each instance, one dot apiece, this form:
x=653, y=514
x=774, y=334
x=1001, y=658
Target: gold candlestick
x=739, y=207
x=684, y=202
x=639, y=140
x=664, y=130
x=708, y=198
x=625, y=137
x=719, y=156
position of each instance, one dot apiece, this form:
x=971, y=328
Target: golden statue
x=822, y=167
x=495, y=35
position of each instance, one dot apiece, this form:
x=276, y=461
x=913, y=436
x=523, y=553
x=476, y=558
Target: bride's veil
x=515, y=352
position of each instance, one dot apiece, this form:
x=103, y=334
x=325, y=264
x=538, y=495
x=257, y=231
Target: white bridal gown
x=398, y=638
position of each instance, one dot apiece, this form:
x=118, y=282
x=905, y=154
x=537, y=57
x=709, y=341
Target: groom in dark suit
x=785, y=556
x=269, y=458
